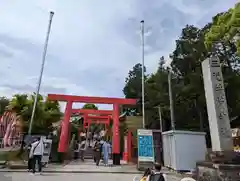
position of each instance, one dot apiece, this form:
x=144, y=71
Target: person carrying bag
x=36, y=154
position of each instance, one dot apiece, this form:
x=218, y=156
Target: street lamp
x=41, y=72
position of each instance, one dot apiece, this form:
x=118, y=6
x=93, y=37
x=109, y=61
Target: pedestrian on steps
x=76, y=150
x=82, y=147
x=97, y=151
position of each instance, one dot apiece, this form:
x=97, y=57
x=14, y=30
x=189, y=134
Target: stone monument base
x=223, y=157
x=209, y=171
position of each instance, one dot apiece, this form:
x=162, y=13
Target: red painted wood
x=63, y=143
x=116, y=140
x=96, y=100
x=97, y=117
x=93, y=111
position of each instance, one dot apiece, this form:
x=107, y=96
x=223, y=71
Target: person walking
x=76, y=150
x=82, y=148
x=106, y=147
x=36, y=154
x=97, y=151
x=30, y=159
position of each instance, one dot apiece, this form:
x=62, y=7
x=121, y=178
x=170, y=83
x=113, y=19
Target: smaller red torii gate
x=93, y=111
x=94, y=116
x=96, y=119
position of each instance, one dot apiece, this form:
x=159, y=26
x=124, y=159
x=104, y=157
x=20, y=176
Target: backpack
x=156, y=177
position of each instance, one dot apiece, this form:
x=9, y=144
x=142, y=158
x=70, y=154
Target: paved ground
x=79, y=171
x=72, y=177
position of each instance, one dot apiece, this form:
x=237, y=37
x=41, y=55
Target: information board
x=145, y=145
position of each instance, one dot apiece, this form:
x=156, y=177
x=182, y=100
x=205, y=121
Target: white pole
x=143, y=97
x=41, y=72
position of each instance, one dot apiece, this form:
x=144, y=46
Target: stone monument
x=222, y=163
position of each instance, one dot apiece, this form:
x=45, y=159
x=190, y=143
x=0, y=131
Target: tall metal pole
x=160, y=118
x=41, y=72
x=171, y=99
x=143, y=93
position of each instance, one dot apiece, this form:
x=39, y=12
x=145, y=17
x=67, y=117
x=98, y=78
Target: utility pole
x=41, y=72
x=171, y=99
x=143, y=91
x=160, y=118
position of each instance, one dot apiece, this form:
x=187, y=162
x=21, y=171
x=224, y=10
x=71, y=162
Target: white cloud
x=93, y=44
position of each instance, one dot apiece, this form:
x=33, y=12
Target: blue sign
x=145, y=146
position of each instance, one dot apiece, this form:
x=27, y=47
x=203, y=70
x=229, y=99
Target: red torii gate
x=97, y=116
x=70, y=99
x=97, y=119
x=93, y=111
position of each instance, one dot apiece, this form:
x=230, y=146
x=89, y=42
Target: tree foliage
x=225, y=27
x=90, y=106
x=192, y=47
x=47, y=112
x=3, y=104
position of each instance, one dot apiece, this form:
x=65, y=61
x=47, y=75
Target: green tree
x=46, y=113
x=133, y=86
x=90, y=106
x=194, y=45
x=3, y=104
x=225, y=27
x=156, y=89
x=222, y=39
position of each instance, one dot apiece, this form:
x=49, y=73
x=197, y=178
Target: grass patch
x=3, y=156
x=10, y=156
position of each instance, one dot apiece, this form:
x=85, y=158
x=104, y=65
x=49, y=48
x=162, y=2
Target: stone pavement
x=87, y=167
x=80, y=169
x=73, y=177
x=84, y=167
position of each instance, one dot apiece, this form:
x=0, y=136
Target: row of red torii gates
x=95, y=116
x=103, y=115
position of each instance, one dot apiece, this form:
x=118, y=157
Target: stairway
x=89, y=153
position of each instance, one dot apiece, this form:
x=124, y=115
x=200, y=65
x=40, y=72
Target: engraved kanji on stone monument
x=216, y=105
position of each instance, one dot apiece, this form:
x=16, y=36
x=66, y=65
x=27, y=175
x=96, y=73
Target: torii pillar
x=64, y=136
x=115, y=138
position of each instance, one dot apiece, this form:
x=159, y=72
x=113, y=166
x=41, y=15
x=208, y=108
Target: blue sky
x=93, y=43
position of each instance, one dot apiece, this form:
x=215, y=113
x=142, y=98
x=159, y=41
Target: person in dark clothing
x=76, y=150
x=97, y=151
x=29, y=158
